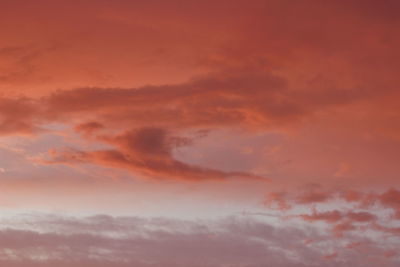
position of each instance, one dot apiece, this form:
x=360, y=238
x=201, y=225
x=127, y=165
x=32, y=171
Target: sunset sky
x=184, y=133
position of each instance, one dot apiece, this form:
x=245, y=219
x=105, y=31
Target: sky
x=223, y=133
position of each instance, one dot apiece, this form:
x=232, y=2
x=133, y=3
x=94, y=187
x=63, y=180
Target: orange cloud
x=145, y=151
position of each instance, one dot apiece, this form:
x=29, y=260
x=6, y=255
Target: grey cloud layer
x=131, y=241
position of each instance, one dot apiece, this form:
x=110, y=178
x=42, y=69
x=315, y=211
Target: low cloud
x=119, y=241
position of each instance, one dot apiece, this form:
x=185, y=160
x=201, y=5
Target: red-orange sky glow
x=224, y=133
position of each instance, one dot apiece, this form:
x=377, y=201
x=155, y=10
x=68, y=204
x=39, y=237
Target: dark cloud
x=145, y=151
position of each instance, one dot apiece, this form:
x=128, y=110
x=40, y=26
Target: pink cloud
x=119, y=241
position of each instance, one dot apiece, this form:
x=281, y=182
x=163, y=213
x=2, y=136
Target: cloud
x=329, y=216
x=88, y=128
x=341, y=221
x=145, y=151
x=342, y=212
x=361, y=216
x=125, y=241
x=136, y=79
x=286, y=200
x=313, y=197
x=388, y=199
x=263, y=72
x=241, y=98
x=278, y=199
x=246, y=98
x=18, y=116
